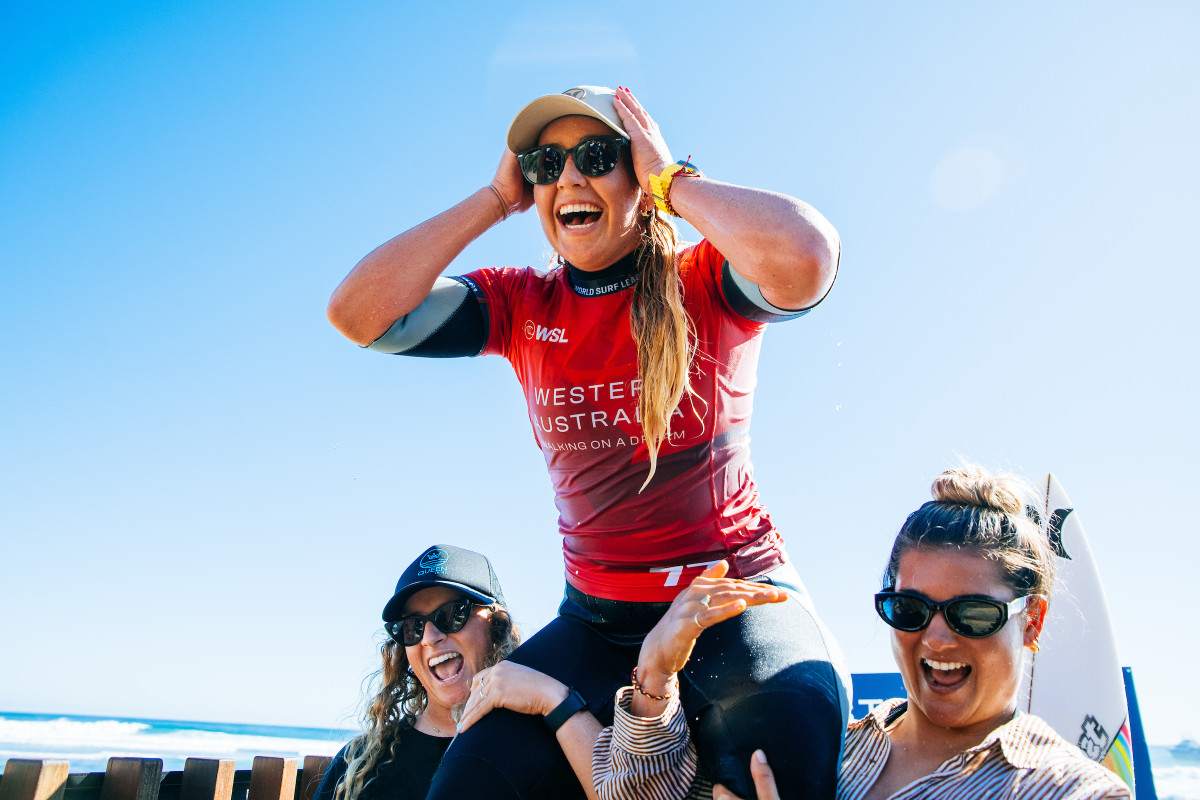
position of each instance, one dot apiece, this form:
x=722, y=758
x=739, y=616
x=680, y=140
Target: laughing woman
x=637, y=356
x=446, y=623
x=965, y=592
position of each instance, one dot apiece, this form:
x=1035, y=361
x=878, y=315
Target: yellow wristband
x=660, y=184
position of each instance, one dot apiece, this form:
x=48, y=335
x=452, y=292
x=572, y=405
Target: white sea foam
x=63, y=730
x=88, y=744
x=63, y=734
x=1177, y=783
x=1174, y=778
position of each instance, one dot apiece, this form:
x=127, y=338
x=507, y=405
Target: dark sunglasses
x=448, y=617
x=594, y=156
x=971, y=616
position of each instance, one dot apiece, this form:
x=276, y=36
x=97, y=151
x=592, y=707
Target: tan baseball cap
x=587, y=101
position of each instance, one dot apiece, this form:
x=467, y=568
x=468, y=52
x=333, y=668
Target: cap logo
x=434, y=560
x=577, y=93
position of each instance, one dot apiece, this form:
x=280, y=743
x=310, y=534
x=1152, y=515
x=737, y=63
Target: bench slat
x=272, y=778
x=310, y=776
x=207, y=779
x=34, y=779
x=132, y=779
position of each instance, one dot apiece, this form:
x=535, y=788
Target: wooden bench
x=143, y=779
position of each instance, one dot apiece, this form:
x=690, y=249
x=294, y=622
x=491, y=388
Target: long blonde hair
x=401, y=699
x=664, y=333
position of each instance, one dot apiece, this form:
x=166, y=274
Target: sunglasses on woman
x=971, y=616
x=448, y=617
x=594, y=156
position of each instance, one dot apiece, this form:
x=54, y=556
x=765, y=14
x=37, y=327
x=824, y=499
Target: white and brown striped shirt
x=647, y=757
x=1022, y=759
x=653, y=757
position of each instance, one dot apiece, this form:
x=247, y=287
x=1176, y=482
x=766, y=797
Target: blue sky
x=206, y=494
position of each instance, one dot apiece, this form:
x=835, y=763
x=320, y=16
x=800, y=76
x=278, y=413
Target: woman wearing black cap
x=427, y=670
x=448, y=634
x=637, y=356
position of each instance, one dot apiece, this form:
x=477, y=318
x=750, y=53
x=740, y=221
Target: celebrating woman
x=446, y=623
x=637, y=356
x=965, y=592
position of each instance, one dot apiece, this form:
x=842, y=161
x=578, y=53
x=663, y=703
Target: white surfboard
x=1075, y=680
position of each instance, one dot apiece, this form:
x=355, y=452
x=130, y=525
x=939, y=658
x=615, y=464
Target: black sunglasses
x=971, y=616
x=448, y=617
x=594, y=156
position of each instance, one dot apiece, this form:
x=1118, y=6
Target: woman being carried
x=637, y=357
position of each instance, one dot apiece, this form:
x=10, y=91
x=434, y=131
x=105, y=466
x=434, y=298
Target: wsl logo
x=434, y=560
x=545, y=334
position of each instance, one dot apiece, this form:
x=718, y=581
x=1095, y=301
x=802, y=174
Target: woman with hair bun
x=965, y=592
x=637, y=355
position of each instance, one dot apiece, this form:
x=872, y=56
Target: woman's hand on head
x=514, y=191
x=668, y=646
x=764, y=781
x=511, y=686
x=650, y=152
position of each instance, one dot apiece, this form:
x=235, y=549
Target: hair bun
x=975, y=486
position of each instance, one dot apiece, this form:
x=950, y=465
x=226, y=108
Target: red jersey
x=576, y=360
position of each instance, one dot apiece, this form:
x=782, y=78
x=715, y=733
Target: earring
x=1033, y=646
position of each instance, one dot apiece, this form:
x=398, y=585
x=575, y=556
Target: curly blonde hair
x=401, y=699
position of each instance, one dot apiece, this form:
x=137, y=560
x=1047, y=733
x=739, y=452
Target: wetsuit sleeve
x=644, y=756
x=449, y=323
x=746, y=299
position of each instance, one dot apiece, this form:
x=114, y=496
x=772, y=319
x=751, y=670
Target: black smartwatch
x=565, y=710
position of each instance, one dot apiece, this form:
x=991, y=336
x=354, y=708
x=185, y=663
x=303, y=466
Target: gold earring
x=1033, y=646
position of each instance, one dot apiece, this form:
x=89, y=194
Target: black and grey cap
x=446, y=565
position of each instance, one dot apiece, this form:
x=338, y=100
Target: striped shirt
x=647, y=757
x=1022, y=759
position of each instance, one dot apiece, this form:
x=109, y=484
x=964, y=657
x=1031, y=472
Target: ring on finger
x=696, y=619
x=704, y=601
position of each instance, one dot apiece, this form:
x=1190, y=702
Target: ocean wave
x=1177, y=782
x=64, y=737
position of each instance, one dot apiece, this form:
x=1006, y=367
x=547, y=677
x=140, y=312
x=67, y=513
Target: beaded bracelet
x=661, y=698
x=660, y=184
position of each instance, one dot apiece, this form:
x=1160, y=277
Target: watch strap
x=660, y=184
x=565, y=710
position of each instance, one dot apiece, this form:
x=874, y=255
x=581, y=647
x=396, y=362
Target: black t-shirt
x=406, y=777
